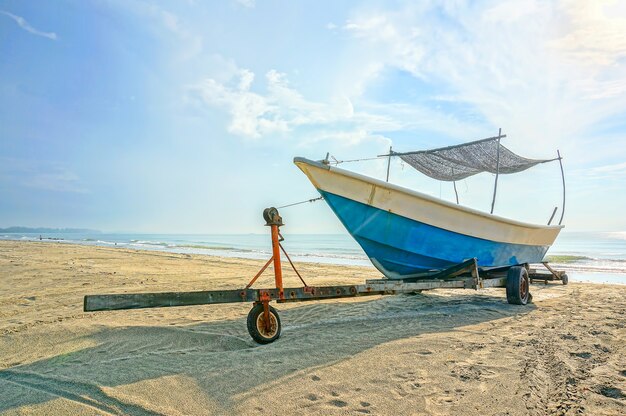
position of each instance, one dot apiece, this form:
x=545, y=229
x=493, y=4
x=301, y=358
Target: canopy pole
x=552, y=216
x=456, y=194
x=389, y=163
x=563, y=180
x=495, y=186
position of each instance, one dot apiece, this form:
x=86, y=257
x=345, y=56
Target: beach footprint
x=338, y=403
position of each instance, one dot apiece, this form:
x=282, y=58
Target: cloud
x=546, y=72
x=271, y=106
x=395, y=38
x=282, y=108
x=596, y=35
x=252, y=115
x=27, y=27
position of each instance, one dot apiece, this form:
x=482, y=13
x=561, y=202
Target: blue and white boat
x=408, y=234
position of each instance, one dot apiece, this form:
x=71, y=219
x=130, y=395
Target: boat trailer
x=263, y=321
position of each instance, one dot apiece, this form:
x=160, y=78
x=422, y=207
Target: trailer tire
x=256, y=325
x=517, y=286
x=564, y=278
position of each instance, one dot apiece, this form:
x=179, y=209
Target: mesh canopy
x=458, y=162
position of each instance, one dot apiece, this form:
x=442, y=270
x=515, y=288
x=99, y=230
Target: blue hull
x=401, y=247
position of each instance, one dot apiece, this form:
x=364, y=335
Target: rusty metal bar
x=278, y=272
x=259, y=273
x=292, y=265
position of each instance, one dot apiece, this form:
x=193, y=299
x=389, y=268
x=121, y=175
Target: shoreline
x=575, y=273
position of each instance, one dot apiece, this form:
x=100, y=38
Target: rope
x=301, y=202
x=336, y=162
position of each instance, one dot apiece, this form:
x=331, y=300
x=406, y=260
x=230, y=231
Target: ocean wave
x=592, y=266
x=216, y=248
x=150, y=243
x=566, y=258
x=332, y=256
x=112, y=243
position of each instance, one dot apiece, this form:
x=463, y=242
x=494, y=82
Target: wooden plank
x=166, y=299
x=389, y=287
x=466, y=266
x=497, y=282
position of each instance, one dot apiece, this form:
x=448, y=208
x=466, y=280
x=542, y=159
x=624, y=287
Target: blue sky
x=184, y=117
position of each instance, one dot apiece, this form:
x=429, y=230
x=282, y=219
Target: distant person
x=40, y=237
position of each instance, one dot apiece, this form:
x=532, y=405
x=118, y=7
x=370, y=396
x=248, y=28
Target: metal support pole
x=456, y=194
x=495, y=186
x=249, y=285
x=563, y=179
x=552, y=216
x=278, y=271
x=389, y=163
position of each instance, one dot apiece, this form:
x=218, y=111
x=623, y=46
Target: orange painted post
x=259, y=273
x=278, y=271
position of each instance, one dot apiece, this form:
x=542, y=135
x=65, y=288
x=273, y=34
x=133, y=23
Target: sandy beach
x=439, y=352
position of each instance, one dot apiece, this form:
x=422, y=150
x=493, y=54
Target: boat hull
x=402, y=246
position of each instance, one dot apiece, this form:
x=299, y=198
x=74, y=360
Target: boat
x=408, y=234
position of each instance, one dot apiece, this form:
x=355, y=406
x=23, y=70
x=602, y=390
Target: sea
x=597, y=257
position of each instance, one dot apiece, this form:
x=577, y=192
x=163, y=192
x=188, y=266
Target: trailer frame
x=263, y=320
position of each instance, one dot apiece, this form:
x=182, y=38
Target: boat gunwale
x=411, y=192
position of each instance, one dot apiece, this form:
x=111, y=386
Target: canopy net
x=458, y=162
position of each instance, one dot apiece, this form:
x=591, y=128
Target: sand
x=438, y=352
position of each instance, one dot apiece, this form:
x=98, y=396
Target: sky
x=185, y=116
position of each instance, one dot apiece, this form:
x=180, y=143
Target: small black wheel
x=517, y=286
x=257, y=326
x=564, y=279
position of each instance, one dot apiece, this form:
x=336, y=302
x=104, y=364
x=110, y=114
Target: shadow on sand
x=225, y=362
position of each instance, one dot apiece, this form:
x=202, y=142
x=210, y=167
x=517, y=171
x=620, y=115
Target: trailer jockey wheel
x=258, y=327
x=564, y=278
x=517, y=286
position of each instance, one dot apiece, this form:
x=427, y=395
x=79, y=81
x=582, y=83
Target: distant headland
x=47, y=230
